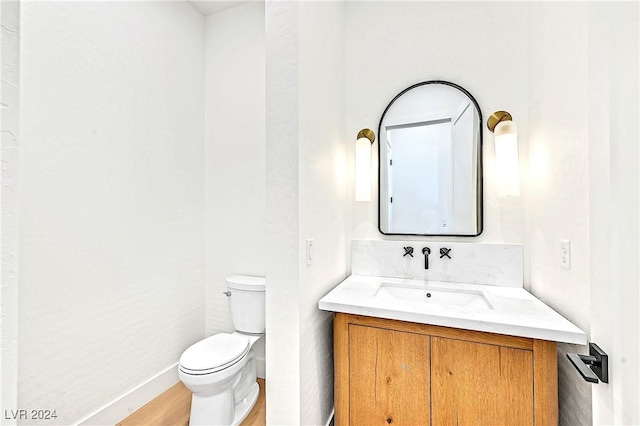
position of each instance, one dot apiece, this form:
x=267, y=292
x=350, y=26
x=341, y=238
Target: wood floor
x=173, y=406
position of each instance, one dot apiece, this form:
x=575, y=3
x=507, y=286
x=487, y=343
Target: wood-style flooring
x=172, y=408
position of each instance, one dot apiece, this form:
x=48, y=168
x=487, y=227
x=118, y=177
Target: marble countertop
x=513, y=311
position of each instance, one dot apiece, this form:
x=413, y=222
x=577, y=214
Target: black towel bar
x=593, y=366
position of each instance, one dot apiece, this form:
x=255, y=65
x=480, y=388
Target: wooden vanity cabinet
x=390, y=372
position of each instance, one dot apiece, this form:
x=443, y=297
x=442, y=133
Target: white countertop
x=516, y=312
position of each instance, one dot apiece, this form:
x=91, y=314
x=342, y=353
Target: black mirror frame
x=480, y=184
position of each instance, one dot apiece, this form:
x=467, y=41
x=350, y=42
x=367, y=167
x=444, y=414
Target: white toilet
x=221, y=370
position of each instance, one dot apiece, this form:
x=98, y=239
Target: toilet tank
x=247, y=303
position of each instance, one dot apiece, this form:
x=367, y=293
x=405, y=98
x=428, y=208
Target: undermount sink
x=497, y=309
x=428, y=295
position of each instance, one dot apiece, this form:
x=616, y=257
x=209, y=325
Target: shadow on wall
x=574, y=393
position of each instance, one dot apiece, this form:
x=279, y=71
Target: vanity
x=404, y=373
x=433, y=333
x=420, y=347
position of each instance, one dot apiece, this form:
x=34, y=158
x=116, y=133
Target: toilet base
x=208, y=410
x=244, y=406
x=223, y=400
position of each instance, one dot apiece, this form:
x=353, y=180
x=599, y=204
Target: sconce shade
x=363, y=165
x=507, y=167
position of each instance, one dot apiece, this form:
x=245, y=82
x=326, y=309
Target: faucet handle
x=227, y=293
x=408, y=250
x=444, y=251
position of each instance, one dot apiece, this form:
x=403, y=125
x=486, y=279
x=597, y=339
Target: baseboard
x=126, y=404
x=261, y=368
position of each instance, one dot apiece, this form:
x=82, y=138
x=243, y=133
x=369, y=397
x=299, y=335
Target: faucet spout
x=426, y=251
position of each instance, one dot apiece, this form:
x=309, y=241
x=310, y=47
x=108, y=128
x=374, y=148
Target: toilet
x=220, y=370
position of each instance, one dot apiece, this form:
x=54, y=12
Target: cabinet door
x=480, y=384
x=388, y=377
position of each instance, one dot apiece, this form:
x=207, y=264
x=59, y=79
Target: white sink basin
x=428, y=295
x=490, y=308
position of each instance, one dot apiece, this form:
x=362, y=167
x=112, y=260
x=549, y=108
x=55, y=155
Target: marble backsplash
x=473, y=263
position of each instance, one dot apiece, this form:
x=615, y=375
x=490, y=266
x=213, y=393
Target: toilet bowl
x=220, y=370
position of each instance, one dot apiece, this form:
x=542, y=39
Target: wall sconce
x=363, y=164
x=505, y=138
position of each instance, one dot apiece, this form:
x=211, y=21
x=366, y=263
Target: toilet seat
x=215, y=353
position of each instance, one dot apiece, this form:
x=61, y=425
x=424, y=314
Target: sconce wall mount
x=496, y=118
x=367, y=133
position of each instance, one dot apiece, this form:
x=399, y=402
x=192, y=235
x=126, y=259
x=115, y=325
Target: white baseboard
x=126, y=404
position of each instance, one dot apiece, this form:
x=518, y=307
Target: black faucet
x=426, y=251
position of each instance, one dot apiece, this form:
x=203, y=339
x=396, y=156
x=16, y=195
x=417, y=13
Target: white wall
x=308, y=157
x=614, y=130
x=283, y=312
x=390, y=47
x=235, y=156
x=556, y=186
x=9, y=127
x=325, y=190
x=111, y=198
x=557, y=181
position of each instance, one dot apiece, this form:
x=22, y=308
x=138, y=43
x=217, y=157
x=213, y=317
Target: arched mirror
x=430, y=162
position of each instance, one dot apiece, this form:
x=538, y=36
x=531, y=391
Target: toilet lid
x=214, y=353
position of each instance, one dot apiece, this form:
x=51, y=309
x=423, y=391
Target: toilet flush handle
x=227, y=293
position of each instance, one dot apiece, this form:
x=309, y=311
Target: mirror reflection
x=430, y=162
